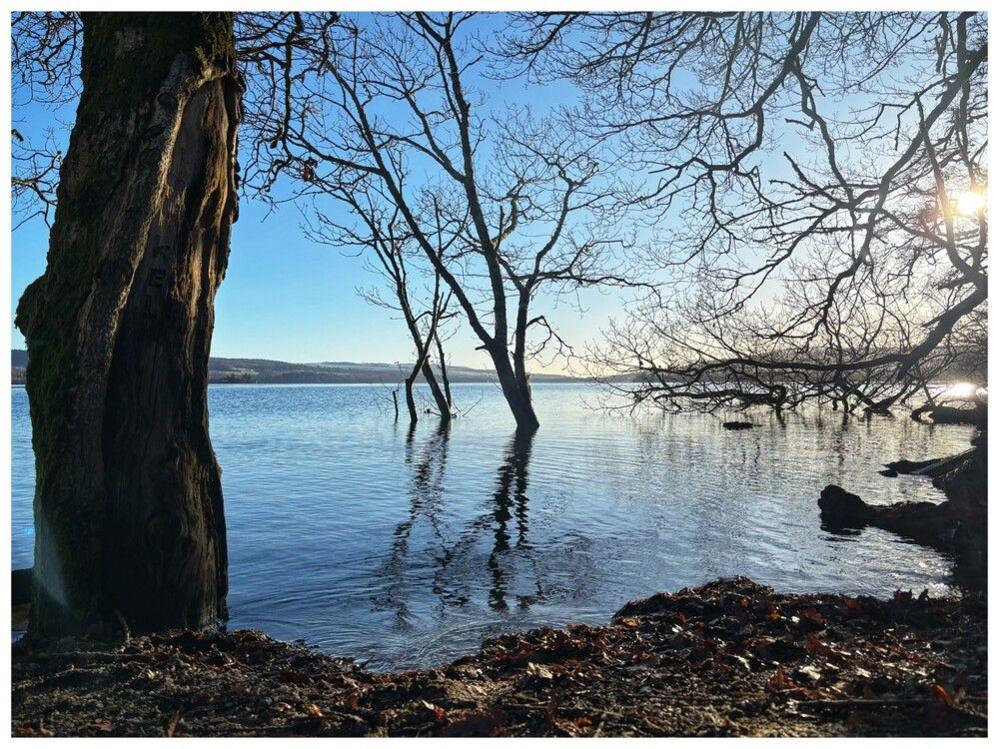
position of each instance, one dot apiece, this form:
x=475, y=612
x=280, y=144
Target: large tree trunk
x=516, y=390
x=128, y=505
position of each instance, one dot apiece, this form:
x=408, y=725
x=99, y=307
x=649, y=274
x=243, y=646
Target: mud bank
x=727, y=658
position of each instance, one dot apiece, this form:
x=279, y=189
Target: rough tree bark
x=128, y=509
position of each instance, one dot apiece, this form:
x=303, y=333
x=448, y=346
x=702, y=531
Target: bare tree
x=386, y=240
x=45, y=65
x=34, y=178
x=45, y=54
x=386, y=108
x=819, y=184
x=531, y=208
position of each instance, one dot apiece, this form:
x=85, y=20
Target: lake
x=350, y=532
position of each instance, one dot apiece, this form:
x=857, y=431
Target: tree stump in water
x=957, y=526
x=921, y=521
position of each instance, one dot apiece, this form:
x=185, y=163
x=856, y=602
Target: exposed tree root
x=957, y=526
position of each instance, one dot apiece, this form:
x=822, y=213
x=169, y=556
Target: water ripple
x=407, y=549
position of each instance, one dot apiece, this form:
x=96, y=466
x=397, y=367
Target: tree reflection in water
x=425, y=501
x=506, y=520
x=510, y=494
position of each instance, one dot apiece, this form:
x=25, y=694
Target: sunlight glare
x=961, y=391
x=969, y=202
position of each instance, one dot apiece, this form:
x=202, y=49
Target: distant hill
x=18, y=361
x=271, y=371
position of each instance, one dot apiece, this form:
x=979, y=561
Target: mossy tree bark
x=128, y=505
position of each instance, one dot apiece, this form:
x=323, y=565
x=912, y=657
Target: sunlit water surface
x=348, y=532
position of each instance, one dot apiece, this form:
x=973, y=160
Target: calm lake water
x=407, y=549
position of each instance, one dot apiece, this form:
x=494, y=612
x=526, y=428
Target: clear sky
x=285, y=297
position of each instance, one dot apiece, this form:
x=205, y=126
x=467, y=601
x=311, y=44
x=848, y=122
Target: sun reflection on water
x=964, y=391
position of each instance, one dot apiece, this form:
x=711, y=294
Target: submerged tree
x=388, y=109
x=387, y=240
x=393, y=103
x=128, y=504
x=821, y=181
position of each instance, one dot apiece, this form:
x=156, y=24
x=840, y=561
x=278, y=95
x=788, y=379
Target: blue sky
x=285, y=297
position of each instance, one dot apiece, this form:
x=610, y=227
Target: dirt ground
x=727, y=658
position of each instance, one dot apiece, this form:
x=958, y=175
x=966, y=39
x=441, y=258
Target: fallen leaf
x=815, y=646
x=810, y=672
x=539, y=671
x=172, y=724
x=941, y=694
x=351, y=699
x=742, y=663
x=439, y=712
x=812, y=615
x=780, y=680
x=478, y=723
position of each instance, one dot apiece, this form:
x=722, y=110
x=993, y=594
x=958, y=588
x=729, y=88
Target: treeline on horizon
x=273, y=371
